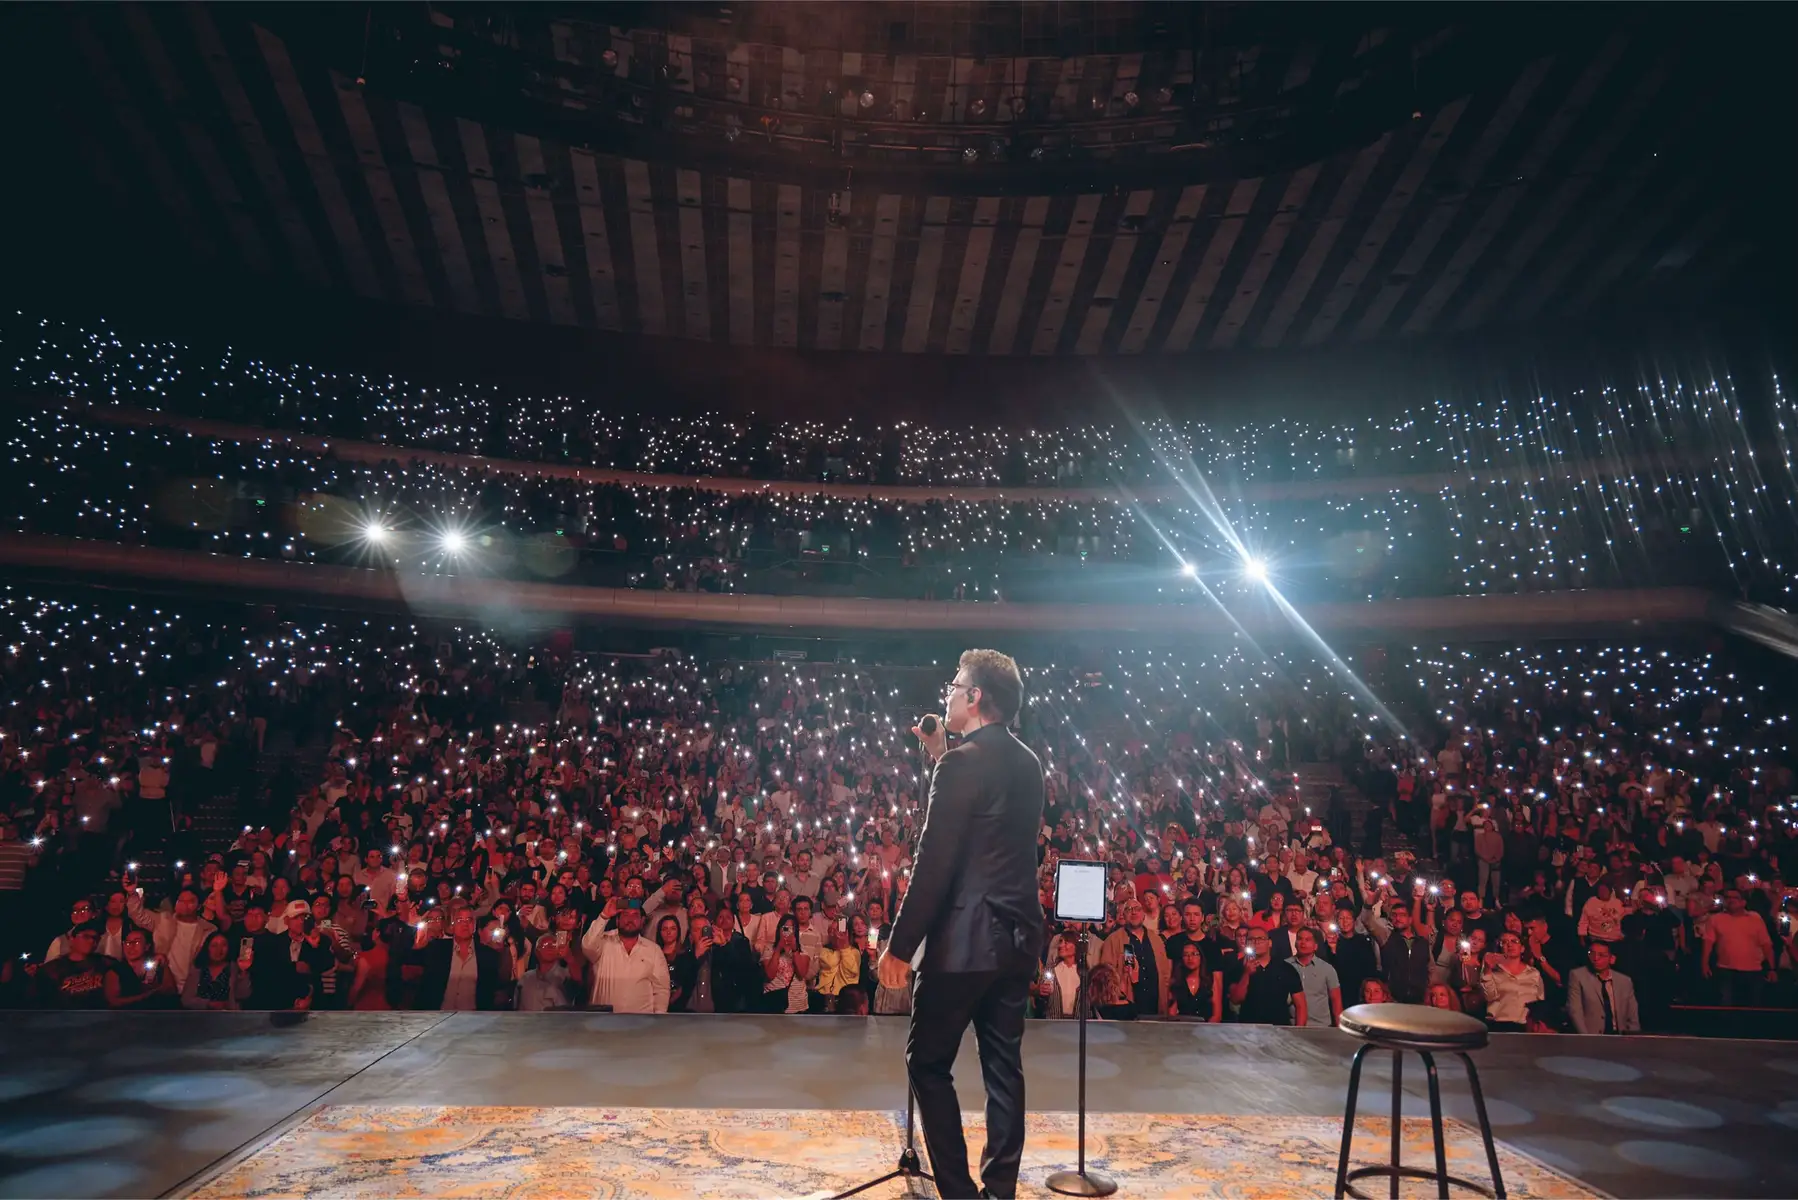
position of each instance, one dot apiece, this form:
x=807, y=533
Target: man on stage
x=972, y=924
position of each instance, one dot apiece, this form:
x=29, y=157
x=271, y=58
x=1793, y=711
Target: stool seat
x=1414, y=1027
x=1426, y=1032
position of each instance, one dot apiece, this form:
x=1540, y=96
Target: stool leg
x=1479, y=1108
x=1398, y=1100
x=1429, y=1066
x=1348, y=1121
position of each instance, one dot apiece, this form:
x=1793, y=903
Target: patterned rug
x=445, y=1153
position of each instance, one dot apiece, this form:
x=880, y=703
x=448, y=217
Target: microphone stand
x=909, y=1165
x=1080, y=1181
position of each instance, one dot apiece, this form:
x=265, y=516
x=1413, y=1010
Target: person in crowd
x=1601, y=999
x=80, y=913
x=77, y=978
x=178, y=935
x=1601, y=916
x=380, y=979
x=1345, y=947
x=1197, y=990
x=682, y=965
x=727, y=974
x=1738, y=952
x=547, y=987
x=1059, y=988
x=140, y=980
x=629, y=974
x=333, y=991
x=785, y=967
x=1109, y=993
x=1510, y=986
x=1404, y=942
x=892, y=992
x=840, y=967
x=1135, y=950
x=460, y=974
x=1322, y=986
x=292, y=967
x=216, y=980
x=1441, y=995
x=1267, y=991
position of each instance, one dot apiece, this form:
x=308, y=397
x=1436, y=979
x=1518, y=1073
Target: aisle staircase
x=1315, y=781
x=218, y=817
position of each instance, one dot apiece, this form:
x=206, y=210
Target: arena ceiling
x=1036, y=179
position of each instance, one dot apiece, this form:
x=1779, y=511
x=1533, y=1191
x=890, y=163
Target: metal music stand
x=1080, y=1181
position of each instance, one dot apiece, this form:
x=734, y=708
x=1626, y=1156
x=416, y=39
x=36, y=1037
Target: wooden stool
x=1424, y=1031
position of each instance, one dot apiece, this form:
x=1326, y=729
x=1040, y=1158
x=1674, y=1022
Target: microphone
x=928, y=725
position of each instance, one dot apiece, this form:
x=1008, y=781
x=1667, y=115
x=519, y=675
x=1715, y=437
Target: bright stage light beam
x=1197, y=488
x=375, y=532
x=1190, y=570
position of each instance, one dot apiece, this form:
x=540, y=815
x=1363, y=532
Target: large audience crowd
x=75, y=475
x=1568, y=838
x=208, y=807
x=1665, y=482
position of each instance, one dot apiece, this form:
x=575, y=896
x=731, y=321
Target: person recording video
x=971, y=922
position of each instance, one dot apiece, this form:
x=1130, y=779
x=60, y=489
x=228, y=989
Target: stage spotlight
x=375, y=532
x=454, y=541
x=1255, y=569
x=1190, y=570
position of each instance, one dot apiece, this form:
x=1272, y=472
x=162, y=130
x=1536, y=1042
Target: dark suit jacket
x=973, y=903
x=274, y=981
x=435, y=959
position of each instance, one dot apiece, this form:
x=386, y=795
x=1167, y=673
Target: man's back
x=973, y=899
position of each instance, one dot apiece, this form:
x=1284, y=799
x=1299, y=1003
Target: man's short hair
x=1001, y=686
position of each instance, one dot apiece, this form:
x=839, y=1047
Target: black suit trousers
x=943, y=1005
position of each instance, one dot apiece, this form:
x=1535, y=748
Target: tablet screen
x=1079, y=890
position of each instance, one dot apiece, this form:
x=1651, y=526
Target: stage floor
x=145, y=1104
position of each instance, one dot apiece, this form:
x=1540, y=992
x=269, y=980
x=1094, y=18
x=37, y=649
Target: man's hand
x=935, y=744
x=881, y=962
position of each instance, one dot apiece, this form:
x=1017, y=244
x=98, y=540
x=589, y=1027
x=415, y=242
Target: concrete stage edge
x=144, y=1104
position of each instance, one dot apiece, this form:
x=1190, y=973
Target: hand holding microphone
x=932, y=736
